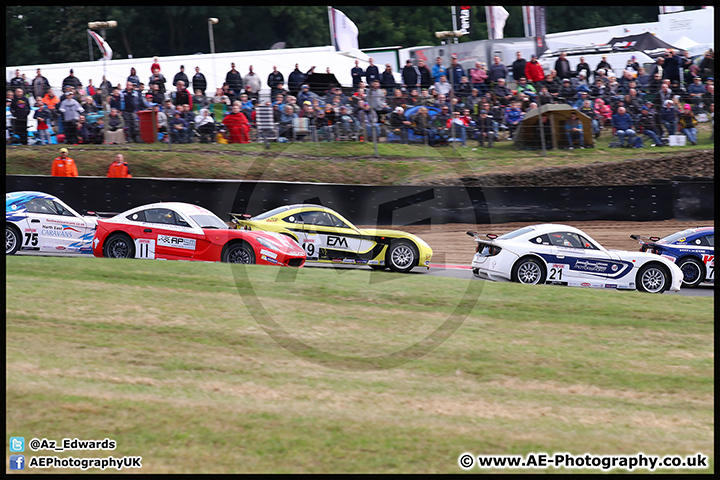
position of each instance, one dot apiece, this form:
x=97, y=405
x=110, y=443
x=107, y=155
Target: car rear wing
x=642, y=239
x=240, y=220
x=479, y=237
x=101, y=214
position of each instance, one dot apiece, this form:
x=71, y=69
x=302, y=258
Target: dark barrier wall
x=401, y=205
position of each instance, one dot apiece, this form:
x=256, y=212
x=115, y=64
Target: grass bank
x=337, y=162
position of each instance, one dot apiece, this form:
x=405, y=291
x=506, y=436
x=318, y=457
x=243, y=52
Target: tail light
x=487, y=250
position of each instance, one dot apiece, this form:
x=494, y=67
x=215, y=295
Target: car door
x=164, y=233
x=579, y=261
x=708, y=256
x=327, y=237
x=82, y=240
x=53, y=227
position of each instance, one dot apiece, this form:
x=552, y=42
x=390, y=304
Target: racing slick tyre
x=693, y=271
x=652, y=279
x=402, y=256
x=239, y=253
x=12, y=240
x=528, y=271
x=119, y=245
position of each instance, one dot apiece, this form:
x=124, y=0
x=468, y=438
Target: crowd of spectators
x=435, y=105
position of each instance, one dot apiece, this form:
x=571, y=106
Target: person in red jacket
x=534, y=73
x=64, y=166
x=119, y=168
x=237, y=125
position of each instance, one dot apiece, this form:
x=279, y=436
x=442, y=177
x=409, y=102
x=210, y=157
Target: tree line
x=55, y=34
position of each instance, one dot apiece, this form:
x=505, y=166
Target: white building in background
x=213, y=66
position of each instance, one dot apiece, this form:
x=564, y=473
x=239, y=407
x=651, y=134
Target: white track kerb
x=339, y=360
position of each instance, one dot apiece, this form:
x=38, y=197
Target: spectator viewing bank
x=416, y=105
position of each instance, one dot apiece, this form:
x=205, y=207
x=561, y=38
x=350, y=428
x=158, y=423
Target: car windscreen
x=209, y=221
x=515, y=233
x=672, y=238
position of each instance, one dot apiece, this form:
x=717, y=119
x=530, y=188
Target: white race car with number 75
x=564, y=255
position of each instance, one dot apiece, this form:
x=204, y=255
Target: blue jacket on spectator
x=438, y=71
x=513, y=115
x=622, y=122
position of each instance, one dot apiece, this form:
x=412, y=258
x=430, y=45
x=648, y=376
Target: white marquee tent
x=214, y=67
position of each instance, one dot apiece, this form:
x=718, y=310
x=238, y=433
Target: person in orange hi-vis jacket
x=119, y=168
x=64, y=166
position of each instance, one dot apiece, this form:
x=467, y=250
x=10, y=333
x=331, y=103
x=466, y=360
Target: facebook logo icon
x=17, y=444
x=17, y=462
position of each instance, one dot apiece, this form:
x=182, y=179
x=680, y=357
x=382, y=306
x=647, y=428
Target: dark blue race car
x=693, y=250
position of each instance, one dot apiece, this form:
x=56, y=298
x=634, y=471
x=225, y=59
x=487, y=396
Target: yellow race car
x=327, y=237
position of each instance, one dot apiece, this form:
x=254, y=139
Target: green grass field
x=172, y=360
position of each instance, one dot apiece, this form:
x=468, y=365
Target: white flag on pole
x=102, y=45
x=501, y=15
x=344, y=31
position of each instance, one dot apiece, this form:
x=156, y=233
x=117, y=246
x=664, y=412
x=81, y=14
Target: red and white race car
x=181, y=231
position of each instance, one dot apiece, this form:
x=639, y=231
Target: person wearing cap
x=119, y=168
x=20, y=110
x=72, y=81
x=562, y=65
x=387, y=79
x=623, y=124
x=534, y=72
x=64, y=166
x=70, y=110
x=399, y=124
x=696, y=91
x=632, y=65
x=567, y=93
x=410, y=75
x=574, y=130
x=181, y=76
x=455, y=71
x=179, y=128
x=306, y=95
x=688, y=124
